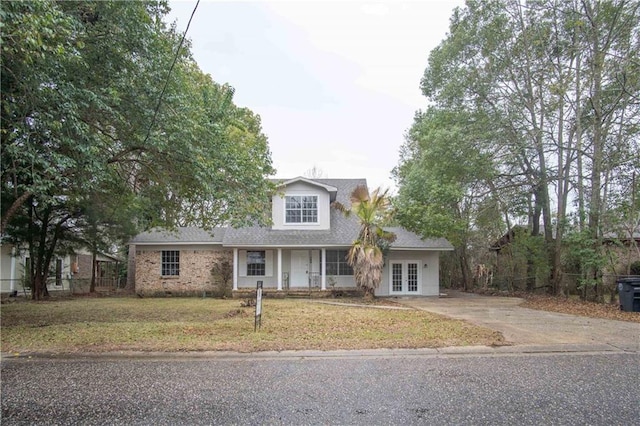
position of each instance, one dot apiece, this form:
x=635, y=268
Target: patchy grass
x=579, y=307
x=175, y=324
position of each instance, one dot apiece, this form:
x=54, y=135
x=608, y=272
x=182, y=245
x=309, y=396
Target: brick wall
x=85, y=265
x=195, y=272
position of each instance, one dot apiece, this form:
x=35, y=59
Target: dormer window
x=301, y=209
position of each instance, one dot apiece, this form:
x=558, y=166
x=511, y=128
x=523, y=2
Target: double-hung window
x=170, y=263
x=301, y=209
x=256, y=263
x=337, y=263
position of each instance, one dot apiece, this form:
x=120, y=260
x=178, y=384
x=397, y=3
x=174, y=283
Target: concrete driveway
x=521, y=326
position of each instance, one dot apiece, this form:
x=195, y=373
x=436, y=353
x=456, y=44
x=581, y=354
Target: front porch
x=292, y=269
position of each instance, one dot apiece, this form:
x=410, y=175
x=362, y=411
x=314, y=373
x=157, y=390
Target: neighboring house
x=71, y=272
x=514, y=267
x=11, y=269
x=305, y=248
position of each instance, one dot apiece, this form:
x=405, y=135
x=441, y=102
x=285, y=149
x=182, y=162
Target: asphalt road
x=487, y=389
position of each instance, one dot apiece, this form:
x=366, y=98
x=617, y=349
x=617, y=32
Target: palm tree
x=366, y=255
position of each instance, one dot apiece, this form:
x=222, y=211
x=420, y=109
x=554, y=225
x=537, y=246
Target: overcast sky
x=336, y=83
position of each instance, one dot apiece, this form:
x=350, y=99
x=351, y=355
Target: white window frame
x=263, y=262
x=175, y=261
x=242, y=263
x=404, y=275
x=302, y=209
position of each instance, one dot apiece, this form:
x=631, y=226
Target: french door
x=405, y=277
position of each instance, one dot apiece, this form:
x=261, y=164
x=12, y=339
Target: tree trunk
x=595, y=205
x=11, y=211
x=465, y=271
x=92, y=287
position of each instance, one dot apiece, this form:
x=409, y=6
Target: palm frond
x=366, y=255
x=341, y=208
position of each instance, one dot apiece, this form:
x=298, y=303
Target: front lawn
x=191, y=324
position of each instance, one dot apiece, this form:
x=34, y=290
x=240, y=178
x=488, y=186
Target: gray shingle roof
x=186, y=234
x=342, y=231
x=409, y=240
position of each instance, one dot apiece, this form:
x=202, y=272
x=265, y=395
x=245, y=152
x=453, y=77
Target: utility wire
x=166, y=82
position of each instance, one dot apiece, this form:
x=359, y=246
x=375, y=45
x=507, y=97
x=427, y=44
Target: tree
x=314, y=173
x=366, y=255
x=86, y=120
x=551, y=90
x=444, y=178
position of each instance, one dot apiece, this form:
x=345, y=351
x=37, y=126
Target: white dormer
x=302, y=203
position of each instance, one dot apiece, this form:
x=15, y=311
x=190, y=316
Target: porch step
x=314, y=293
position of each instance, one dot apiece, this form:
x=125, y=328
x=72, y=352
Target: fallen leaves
x=579, y=307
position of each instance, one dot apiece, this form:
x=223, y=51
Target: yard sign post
x=258, y=322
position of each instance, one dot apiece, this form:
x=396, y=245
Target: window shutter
x=268, y=260
x=242, y=263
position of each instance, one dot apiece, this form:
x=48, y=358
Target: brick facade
x=83, y=266
x=195, y=272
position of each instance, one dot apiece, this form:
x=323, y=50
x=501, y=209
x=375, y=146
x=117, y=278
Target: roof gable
x=332, y=190
x=309, y=181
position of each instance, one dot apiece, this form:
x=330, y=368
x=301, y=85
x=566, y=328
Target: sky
x=336, y=83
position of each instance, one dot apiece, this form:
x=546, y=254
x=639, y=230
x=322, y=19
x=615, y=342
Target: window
x=337, y=263
x=170, y=263
x=256, y=261
x=301, y=209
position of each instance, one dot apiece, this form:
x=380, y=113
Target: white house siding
x=196, y=263
x=429, y=275
x=342, y=281
x=269, y=280
x=10, y=270
x=301, y=188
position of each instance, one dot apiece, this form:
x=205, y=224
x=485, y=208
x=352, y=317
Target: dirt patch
x=236, y=313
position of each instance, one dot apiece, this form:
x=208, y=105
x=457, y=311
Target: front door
x=299, y=268
x=405, y=277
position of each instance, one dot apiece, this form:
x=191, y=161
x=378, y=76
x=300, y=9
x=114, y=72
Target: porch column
x=235, y=269
x=279, y=269
x=323, y=268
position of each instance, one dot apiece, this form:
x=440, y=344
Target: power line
x=166, y=82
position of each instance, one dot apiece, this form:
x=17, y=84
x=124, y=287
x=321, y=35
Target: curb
x=518, y=350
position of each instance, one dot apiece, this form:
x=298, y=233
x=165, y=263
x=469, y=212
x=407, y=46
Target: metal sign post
x=258, y=322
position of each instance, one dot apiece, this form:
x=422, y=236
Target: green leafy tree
x=366, y=255
x=444, y=178
x=87, y=123
x=551, y=89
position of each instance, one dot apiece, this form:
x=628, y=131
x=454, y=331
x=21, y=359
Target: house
x=518, y=264
x=71, y=272
x=304, y=248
